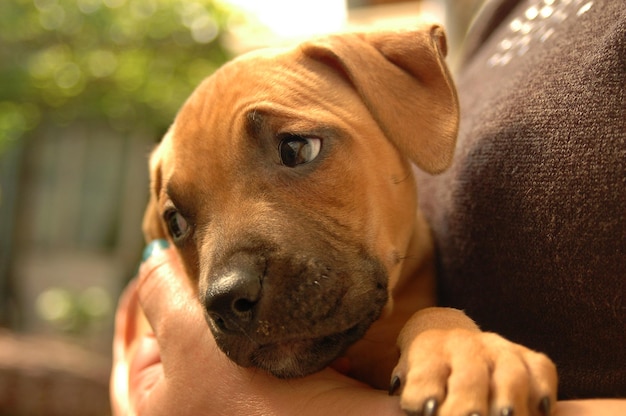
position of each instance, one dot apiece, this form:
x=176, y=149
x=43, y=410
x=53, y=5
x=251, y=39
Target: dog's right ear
x=403, y=80
x=152, y=224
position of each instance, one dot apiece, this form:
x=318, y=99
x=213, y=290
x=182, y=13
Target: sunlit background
x=87, y=87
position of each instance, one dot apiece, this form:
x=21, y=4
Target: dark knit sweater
x=530, y=221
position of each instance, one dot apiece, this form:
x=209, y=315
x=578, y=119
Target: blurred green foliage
x=74, y=312
x=129, y=62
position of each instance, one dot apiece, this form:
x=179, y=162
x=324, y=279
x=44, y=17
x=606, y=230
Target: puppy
x=286, y=185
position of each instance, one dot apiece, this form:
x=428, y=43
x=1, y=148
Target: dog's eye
x=296, y=150
x=176, y=224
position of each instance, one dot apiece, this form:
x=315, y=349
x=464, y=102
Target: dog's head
x=286, y=185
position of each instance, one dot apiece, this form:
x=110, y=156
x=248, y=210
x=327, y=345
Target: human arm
x=591, y=407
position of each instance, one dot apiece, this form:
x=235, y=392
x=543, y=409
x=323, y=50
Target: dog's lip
x=297, y=357
x=304, y=340
x=288, y=345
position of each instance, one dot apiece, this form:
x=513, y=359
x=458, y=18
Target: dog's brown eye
x=297, y=150
x=176, y=224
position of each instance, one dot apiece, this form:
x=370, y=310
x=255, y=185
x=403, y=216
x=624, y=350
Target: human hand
x=175, y=367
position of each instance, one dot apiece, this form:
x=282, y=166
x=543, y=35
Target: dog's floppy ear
x=152, y=224
x=402, y=78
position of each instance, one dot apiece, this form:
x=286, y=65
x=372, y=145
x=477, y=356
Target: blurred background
x=87, y=87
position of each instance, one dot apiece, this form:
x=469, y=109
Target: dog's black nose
x=230, y=300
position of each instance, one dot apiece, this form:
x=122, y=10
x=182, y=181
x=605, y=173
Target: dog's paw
x=462, y=373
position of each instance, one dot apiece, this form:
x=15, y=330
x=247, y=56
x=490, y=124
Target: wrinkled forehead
x=280, y=82
x=283, y=82
x=279, y=77
x=250, y=77
x=211, y=113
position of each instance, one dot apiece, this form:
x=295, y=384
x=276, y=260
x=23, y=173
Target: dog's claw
x=430, y=407
x=544, y=406
x=394, y=385
x=507, y=411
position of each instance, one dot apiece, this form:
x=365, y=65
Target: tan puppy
x=286, y=185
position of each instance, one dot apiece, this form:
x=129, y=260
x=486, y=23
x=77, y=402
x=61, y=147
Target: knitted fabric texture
x=530, y=221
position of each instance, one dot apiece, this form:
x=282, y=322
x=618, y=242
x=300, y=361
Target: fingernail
x=154, y=247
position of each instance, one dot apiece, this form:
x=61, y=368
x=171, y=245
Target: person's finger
x=124, y=324
x=181, y=348
x=174, y=313
x=145, y=373
x=124, y=332
x=164, y=291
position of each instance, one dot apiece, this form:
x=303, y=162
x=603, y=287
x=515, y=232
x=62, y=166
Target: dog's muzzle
x=292, y=315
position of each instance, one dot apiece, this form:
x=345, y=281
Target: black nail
x=544, y=406
x=507, y=411
x=430, y=407
x=394, y=385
